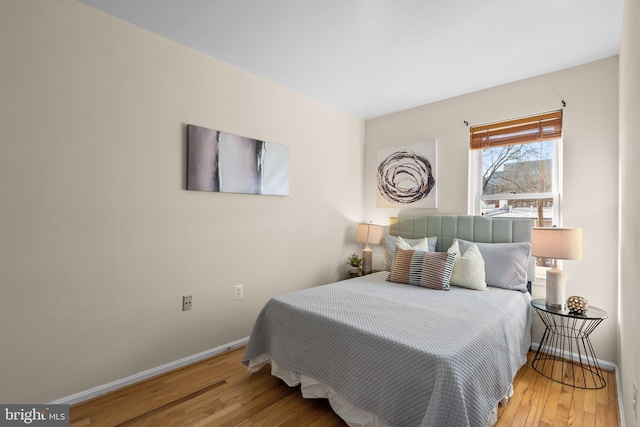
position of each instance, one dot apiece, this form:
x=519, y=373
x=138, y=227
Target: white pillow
x=468, y=269
x=391, y=243
x=422, y=245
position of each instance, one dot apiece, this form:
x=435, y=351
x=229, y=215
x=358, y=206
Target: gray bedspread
x=411, y=355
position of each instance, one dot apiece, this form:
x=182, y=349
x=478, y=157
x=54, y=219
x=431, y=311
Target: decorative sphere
x=577, y=304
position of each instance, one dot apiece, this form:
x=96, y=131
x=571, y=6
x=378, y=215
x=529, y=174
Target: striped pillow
x=428, y=269
x=401, y=270
x=436, y=270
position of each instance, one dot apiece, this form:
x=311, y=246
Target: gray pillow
x=505, y=264
x=390, y=248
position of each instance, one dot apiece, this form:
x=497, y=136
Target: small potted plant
x=355, y=262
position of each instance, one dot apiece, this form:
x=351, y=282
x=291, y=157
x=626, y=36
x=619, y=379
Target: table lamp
x=369, y=233
x=556, y=243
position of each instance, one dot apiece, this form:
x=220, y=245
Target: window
x=515, y=168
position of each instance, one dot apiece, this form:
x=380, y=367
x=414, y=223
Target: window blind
x=541, y=127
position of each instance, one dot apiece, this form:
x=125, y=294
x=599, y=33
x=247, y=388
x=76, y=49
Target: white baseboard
x=140, y=376
x=576, y=357
x=604, y=365
x=620, y=409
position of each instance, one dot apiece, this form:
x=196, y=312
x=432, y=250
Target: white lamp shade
x=370, y=233
x=556, y=243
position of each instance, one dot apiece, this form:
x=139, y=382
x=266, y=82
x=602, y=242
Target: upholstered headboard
x=466, y=227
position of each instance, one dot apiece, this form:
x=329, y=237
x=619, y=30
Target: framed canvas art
x=406, y=176
x=227, y=163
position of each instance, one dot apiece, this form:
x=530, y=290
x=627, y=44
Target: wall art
x=227, y=163
x=407, y=176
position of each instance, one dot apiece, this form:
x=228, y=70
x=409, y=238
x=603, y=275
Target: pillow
x=401, y=269
x=417, y=244
x=390, y=243
x=428, y=269
x=436, y=270
x=505, y=264
x=468, y=269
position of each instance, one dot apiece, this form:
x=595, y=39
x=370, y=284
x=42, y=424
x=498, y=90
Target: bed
x=394, y=354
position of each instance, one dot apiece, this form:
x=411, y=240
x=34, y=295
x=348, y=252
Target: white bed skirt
x=314, y=389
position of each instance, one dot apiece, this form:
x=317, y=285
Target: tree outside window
x=517, y=181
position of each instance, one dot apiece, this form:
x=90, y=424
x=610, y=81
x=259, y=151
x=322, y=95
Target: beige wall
x=99, y=239
x=629, y=208
x=590, y=166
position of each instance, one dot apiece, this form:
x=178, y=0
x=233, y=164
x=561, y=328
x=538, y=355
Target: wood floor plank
x=549, y=404
x=575, y=411
x=220, y=392
x=563, y=410
x=541, y=388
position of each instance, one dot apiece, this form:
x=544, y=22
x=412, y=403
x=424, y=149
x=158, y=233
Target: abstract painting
x=227, y=163
x=407, y=176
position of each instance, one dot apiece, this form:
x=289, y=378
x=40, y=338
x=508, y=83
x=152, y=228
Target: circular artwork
x=405, y=177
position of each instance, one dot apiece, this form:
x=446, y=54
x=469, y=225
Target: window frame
x=475, y=194
x=475, y=185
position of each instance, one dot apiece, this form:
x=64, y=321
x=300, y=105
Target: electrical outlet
x=186, y=302
x=238, y=292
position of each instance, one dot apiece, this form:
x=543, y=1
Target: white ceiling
x=374, y=57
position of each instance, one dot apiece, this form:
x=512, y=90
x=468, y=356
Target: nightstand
x=359, y=273
x=565, y=354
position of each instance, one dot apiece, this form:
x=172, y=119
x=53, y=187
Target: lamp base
x=556, y=295
x=367, y=260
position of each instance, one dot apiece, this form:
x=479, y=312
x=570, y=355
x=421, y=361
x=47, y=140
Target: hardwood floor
x=539, y=401
x=220, y=392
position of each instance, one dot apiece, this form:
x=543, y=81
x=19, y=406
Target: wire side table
x=565, y=354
